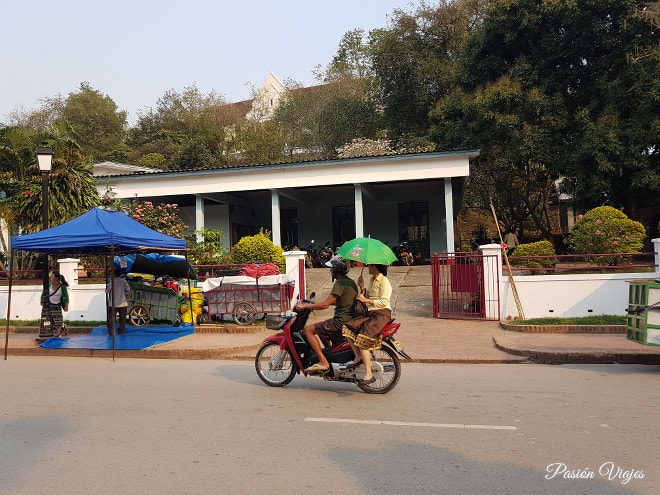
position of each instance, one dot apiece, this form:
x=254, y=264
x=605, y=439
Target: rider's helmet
x=338, y=265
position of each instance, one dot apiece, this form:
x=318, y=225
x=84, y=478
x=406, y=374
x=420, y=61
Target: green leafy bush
x=209, y=251
x=540, y=248
x=256, y=248
x=606, y=230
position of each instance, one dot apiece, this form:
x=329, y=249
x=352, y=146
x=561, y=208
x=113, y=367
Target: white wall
x=544, y=296
x=87, y=302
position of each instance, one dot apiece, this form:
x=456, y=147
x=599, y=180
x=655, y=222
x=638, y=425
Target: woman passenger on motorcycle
x=364, y=336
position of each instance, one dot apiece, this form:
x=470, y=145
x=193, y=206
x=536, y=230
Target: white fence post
x=656, y=248
x=69, y=270
x=492, y=270
x=294, y=261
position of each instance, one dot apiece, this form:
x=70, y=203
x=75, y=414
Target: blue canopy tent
x=99, y=232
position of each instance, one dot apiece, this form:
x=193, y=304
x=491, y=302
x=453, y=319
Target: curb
x=571, y=356
x=224, y=353
x=604, y=329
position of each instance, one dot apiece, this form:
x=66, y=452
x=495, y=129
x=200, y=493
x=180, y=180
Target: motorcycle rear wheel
x=386, y=368
x=275, y=367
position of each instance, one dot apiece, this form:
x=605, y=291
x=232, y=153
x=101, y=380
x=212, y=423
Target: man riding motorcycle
x=342, y=297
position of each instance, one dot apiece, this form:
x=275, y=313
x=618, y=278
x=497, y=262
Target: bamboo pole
x=516, y=297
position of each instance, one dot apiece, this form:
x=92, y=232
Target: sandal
x=351, y=365
x=317, y=368
x=367, y=381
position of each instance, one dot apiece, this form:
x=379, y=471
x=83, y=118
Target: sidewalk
x=426, y=339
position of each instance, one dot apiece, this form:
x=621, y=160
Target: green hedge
x=541, y=248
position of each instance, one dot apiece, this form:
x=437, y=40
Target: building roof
x=133, y=171
x=105, y=169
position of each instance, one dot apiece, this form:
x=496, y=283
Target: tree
x=415, y=60
x=94, y=121
x=544, y=90
x=72, y=190
x=601, y=59
x=188, y=129
x=519, y=130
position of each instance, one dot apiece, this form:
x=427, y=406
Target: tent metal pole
x=192, y=316
x=111, y=309
x=11, y=279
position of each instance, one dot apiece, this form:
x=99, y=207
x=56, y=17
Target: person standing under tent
x=116, y=301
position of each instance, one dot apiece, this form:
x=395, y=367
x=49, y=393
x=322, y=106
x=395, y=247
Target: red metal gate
x=459, y=288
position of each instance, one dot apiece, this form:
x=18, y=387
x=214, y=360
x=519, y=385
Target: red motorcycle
x=287, y=352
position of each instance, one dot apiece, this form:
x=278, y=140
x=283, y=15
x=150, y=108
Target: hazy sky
x=136, y=50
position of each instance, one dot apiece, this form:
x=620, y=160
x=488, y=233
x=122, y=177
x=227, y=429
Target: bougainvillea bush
x=605, y=230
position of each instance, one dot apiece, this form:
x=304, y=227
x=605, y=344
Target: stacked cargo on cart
x=153, y=279
x=244, y=298
x=147, y=302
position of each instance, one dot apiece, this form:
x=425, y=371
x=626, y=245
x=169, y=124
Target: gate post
x=492, y=272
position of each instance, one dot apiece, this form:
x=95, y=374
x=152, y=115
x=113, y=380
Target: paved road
x=94, y=426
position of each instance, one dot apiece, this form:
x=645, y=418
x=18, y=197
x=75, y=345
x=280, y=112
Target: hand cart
x=146, y=303
x=245, y=297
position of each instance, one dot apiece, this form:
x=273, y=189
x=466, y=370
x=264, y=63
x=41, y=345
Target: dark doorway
x=414, y=226
x=343, y=224
x=289, y=227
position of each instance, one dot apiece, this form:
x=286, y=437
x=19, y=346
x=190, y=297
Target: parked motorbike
x=408, y=254
x=403, y=253
x=287, y=353
x=326, y=253
x=312, y=258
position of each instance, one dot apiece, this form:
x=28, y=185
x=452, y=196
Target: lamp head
x=44, y=157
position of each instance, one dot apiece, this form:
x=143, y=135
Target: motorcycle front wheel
x=275, y=367
x=386, y=368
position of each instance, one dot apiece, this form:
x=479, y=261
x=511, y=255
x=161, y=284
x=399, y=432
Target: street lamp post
x=45, y=160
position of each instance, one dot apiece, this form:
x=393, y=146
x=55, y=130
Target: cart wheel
x=139, y=315
x=243, y=313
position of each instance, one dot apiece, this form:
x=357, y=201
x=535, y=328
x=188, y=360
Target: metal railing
x=583, y=263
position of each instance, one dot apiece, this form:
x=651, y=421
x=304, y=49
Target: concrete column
x=199, y=216
x=449, y=215
x=295, y=269
x=359, y=211
x=275, y=216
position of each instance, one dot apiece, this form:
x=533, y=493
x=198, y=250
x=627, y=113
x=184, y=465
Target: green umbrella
x=367, y=250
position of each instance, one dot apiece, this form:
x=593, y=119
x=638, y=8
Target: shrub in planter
x=606, y=230
x=541, y=248
x=256, y=248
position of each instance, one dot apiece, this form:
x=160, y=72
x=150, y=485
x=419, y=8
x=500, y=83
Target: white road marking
x=408, y=423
